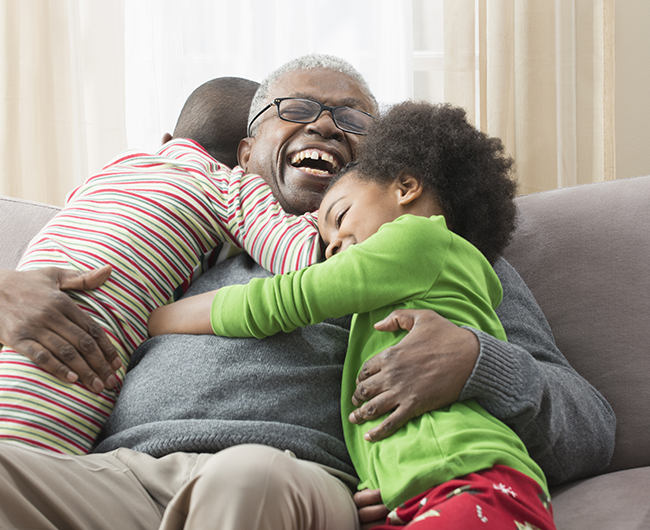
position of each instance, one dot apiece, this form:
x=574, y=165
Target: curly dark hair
x=466, y=170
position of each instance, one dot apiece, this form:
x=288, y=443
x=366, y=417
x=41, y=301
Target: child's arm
x=189, y=316
x=389, y=268
x=359, y=279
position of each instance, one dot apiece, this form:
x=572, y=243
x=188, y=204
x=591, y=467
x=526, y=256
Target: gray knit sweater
x=205, y=393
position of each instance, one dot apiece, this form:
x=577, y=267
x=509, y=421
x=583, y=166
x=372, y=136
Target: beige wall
x=632, y=88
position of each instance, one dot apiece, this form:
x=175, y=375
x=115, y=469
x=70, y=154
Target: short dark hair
x=216, y=116
x=466, y=170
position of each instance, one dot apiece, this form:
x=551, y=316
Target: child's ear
x=244, y=152
x=409, y=188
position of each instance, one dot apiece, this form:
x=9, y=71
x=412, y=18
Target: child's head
x=355, y=207
x=426, y=159
x=216, y=115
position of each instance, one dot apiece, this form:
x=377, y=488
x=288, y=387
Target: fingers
x=365, y=382
x=391, y=424
x=379, y=406
x=370, y=506
x=372, y=388
x=58, y=356
x=46, y=325
x=82, y=345
x=398, y=319
x=376, y=407
x=88, y=337
x=426, y=370
x=44, y=358
x=367, y=497
x=99, y=357
x=83, y=281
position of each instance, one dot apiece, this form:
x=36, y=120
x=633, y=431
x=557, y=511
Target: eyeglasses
x=298, y=110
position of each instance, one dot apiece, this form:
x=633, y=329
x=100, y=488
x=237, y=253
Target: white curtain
x=172, y=47
x=82, y=79
x=61, y=94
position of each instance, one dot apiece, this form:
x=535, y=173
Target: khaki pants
x=243, y=487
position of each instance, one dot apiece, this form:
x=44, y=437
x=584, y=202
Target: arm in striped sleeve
x=244, y=206
x=278, y=241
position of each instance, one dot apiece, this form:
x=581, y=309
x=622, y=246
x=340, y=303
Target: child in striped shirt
x=157, y=220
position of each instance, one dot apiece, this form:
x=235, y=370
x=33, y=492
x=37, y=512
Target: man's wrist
x=494, y=373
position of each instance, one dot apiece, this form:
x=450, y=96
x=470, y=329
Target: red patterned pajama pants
x=497, y=498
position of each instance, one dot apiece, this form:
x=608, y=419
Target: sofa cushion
x=585, y=253
x=20, y=221
x=619, y=501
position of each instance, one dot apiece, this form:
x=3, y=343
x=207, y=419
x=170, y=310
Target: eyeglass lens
x=306, y=111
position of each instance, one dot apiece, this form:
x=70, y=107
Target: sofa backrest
x=20, y=220
x=585, y=254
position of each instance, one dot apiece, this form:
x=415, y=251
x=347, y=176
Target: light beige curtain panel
x=537, y=73
x=61, y=94
x=545, y=82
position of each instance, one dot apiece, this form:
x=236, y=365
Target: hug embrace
x=417, y=399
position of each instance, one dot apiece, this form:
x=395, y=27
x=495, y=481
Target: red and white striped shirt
x=159, y=221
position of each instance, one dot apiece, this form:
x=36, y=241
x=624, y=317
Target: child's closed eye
x=340, y=216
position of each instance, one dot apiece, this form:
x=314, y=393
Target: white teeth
x=314, y=155
x=317, y=171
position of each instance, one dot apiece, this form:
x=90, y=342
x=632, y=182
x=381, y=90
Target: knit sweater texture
x=194, y=393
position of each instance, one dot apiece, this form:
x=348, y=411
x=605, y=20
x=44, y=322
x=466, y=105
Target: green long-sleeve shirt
x=413, y=262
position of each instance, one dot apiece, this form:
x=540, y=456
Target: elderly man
x=240, y=433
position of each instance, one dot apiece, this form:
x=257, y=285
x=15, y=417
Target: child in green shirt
x=421, y=169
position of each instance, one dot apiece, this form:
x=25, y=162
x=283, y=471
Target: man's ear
x=244, y=151
x=166, y=138
x=409, y=188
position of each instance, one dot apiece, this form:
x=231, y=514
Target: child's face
x=353, y=210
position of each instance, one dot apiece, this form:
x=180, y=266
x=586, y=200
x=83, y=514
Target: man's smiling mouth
x=316, y=162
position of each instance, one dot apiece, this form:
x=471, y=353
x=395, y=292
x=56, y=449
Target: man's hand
x=427, y=370
x=370, y=507
x=43, y=323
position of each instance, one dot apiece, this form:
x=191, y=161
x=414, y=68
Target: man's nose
x=325, y=126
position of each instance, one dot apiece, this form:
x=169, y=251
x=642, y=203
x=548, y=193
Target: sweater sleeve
x=566, y=424
x=361, y=279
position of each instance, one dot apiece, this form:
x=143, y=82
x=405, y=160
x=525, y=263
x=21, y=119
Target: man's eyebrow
x=345, y=102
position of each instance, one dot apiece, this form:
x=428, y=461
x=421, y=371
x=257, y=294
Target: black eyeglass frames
x=299, y=110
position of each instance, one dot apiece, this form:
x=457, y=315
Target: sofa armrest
x=20, y=221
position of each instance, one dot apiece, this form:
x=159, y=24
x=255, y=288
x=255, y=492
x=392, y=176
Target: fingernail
x=97, y=385
x=352, y=418
x=116, y=364
x=72, y=377
x=111, y=382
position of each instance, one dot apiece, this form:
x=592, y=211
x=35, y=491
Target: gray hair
x=306, y=62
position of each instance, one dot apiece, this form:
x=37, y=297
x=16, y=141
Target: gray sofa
x=585, y=253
